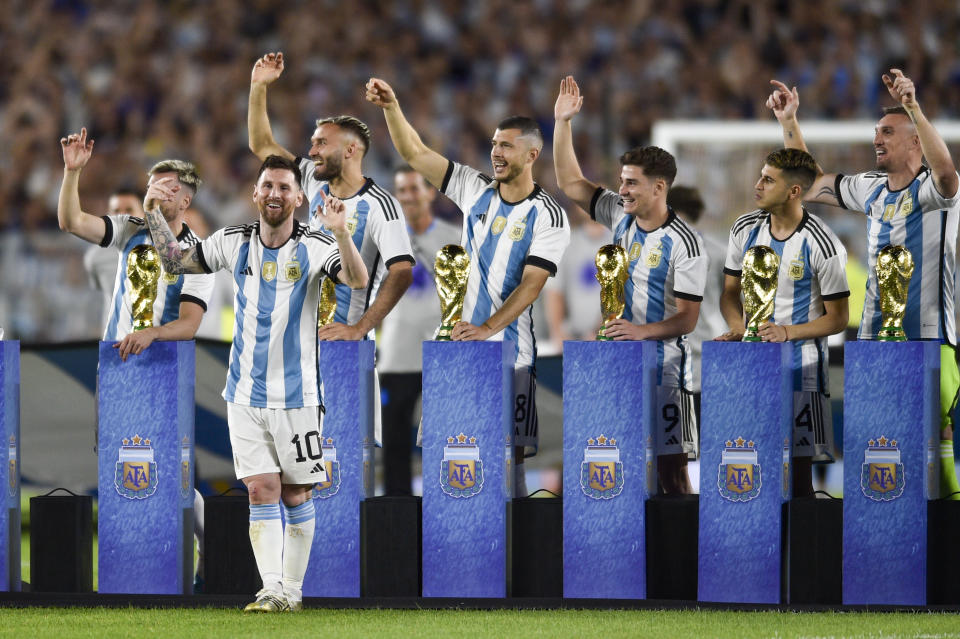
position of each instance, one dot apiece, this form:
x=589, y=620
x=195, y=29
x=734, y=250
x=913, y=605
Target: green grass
x=44, y=622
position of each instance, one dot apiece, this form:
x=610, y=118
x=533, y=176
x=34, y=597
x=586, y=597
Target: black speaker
x=943, y=561
x=229, y=565
x=672, y=525
x=814, y=543
x=61, y=543
x=536, y=547
x=390, y=534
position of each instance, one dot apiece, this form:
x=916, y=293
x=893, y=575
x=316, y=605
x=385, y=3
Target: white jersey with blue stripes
x=273, y=358
x=924, y=221
x=813, y=265
x=379, y=231
x=501, y=238
x=664, y=264
x=126, y=232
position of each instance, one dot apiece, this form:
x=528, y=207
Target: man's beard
x=331, y=168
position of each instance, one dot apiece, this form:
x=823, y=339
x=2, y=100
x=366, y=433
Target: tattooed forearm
x=175, y=260
x=828, y=192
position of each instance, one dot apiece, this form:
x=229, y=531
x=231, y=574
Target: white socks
x=266, y=537
x=297, y=542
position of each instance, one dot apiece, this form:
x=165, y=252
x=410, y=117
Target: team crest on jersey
x=796, y=267
x=881, y=475
x=601, y=471
x=331, y=485
x=352, y=220
x=499, y=223
x=461, y=471
x=906, y=204
x=517, y=230
x=635, y=250
x=654, y=255
x=170, y=278
x=889, y=211
x=739, y=475
x=268, y=271
x=185, y=467
x=136, y=472
x=291, y=270
x=12, y=466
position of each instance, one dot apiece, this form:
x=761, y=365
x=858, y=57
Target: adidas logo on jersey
x=673, y=440
x=248, y=271
x=317, y=468
x=803, y=442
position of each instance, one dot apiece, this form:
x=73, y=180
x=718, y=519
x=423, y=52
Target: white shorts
x=675, y=423
x=812, y=426
x=277, y=440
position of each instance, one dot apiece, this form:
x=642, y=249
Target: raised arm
x=569, y=176
x=175, y=260
x=425, y=161
x=265, y=71
x=77, y=150
x=934, y=148
x=332, y=213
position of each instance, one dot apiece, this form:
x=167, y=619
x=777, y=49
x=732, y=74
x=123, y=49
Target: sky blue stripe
x=871, y=315
x=292, y=371
x=344, y=292
x=266, y=300
x=233, y=374
x=171, y=303
x=261, y=512
x=136, y=240
x=657, y=282
x=299, y=514
x=484, y=260
x=518, y=253
x=801, y=311
x=915, y=223
x=620, y=237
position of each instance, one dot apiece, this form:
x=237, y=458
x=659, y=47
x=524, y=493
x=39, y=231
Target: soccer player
x=414, y=319
x=811, y=301
x=667, y=274
x=905, y=202
x=273, y=391
x=515, y=235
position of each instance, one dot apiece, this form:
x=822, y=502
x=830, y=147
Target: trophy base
x=895, y=334
x=139, y=326
x=604, y=338
x=751, y=335
x=443, y=335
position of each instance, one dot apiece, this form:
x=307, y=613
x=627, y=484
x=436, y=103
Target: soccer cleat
x=294, y=606
x=268, y=601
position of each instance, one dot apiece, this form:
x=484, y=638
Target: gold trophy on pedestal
x=328, y=302
x=143, y=271
x=761, y=266
x=450, y=272
x=894, y=269
x=612, y=273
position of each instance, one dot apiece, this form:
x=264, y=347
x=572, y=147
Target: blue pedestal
x=145, y=521
x=10, y=475
x=609, y=399
x=467, y=476
x=890, y=470
x=745, y=439
x=347, y=372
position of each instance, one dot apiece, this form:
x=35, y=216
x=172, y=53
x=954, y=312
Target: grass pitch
x=212, y=623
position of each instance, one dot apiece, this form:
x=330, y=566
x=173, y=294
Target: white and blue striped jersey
x=664, y=264
x=379, y=231
x=926, y=223
x=125, y=232
x=501, y=238
x=813, y=265
x=273, y=358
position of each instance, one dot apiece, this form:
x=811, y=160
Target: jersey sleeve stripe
x=836, y=296
x=746, y=221
x=540, y=262
x=688, y=296
x=686, y=233
x=196, y=300
x=593, y=203
x=556, y=213
x=107, y=233
x=203, y=260
x=836, y=189
x=827, y=247
x=732, y=272
x=386, y=203
x=446, y=177
x=400, y=258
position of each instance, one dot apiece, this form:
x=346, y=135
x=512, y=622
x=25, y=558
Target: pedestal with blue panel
x=467, y=467
x=10, y=474
x=347, y=446
x=745, y=439
x=145, y=449
x=891, y=454
x=609, y=468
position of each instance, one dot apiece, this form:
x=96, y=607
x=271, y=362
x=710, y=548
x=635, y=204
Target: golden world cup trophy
x=143, y=271
x=894, y=269
x=450, y=272
x=328, y=302
x=612, y=273
x=761, y=266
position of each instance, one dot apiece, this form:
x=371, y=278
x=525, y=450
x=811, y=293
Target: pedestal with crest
x=10, y=474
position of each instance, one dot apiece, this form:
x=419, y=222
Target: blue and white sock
x=266, y=538
x=298, y=540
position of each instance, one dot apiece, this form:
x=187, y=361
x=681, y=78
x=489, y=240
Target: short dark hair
x=686, y=200
x=654, y=161
x=896, y=110
x=186, y=172
x=279, y=162
x=527, y=126
x=352, y=125
x=798, y=166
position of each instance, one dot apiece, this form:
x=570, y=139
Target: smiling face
x=276, y=195
x=510, y=153
x=895, y=142
x=638, y=191
x=328, y=146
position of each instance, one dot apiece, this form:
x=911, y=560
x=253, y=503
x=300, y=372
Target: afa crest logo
x=185, y=474
x=136, y=473
x=517, y=231
x=796, y=268
x=881, y=476
x=601, y=472
x=461, y=471
x=12, y=474
x=291, y=270
x=654, y=255
x=170, y=278
x=739, y=475
x=329, y=486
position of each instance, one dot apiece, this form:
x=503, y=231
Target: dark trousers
x=398, y=395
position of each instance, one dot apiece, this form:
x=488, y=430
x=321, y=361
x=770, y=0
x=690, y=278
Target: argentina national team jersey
x=501, y=238
x=125, y=232
x=813, y=266
x=379, y=231
x=273, y=358
x=924, y=221
x=664, y=264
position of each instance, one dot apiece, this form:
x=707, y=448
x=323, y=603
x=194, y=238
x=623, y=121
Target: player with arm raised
x=667, y=275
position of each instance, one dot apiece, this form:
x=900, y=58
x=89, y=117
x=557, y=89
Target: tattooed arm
x=175, y=260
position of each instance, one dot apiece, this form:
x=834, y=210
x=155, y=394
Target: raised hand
x=901, y=88
x=380, y=93
x=332, y=213
x=77, y=150
x=569, y=101
x=267, y=69
x=783, y=101
x=162, y=190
